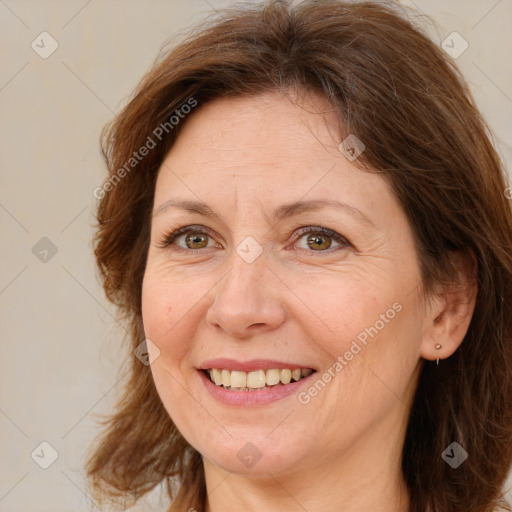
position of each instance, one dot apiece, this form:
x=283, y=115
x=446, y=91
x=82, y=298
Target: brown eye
x=188, y=238
x=317, y=242
x=196, y=240
x=320, y=239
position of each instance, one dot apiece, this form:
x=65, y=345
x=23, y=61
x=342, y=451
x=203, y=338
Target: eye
x=194, y=237
x=319, y=239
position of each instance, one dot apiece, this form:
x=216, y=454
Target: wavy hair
x=397, y=91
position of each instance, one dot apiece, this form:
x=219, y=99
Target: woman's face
x=249, y=285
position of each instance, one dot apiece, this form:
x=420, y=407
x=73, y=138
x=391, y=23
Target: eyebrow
x=282, y=212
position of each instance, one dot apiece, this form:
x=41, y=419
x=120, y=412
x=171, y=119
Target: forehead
x=269, y=124
x=266, y=147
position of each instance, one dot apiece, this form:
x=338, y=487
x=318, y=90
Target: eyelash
x=168, y=239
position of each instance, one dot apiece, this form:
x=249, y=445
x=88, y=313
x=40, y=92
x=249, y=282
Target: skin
x=341, y=451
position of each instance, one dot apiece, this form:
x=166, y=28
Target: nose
x=247, y=300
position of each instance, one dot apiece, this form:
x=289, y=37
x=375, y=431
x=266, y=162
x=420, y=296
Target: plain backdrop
x=61, y=345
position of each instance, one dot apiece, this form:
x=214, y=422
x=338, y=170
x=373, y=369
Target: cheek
x=339, y=310
x=165, y=306
x=166, y=318
x=369, y=325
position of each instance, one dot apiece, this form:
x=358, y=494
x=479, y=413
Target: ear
x=449, y=314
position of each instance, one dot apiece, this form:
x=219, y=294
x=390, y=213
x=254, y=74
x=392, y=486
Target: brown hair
x=398, y=92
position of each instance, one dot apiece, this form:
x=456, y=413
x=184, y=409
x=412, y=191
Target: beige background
x=61, y=346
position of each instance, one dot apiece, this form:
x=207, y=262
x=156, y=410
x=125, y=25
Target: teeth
x=256, y=379
x=243, y=381
x=238, y=379
x=272, y=377
x=216, y=376
x=286, y=376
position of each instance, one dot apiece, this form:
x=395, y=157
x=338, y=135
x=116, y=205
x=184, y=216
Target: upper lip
x=249, y=366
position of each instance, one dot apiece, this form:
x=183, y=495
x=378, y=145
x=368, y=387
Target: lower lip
x=252, y=398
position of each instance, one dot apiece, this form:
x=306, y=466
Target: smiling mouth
x=255, y=380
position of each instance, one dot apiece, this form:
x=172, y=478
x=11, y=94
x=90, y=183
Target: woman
x=308, y=231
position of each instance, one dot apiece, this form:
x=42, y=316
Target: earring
x=438, y=346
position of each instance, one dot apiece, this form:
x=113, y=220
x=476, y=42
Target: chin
x=254, y=454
